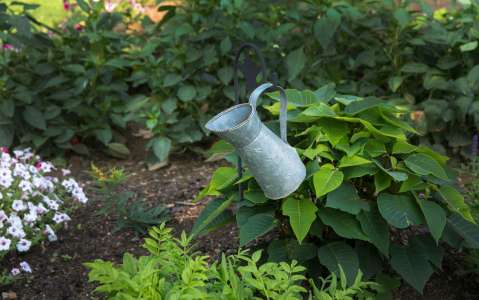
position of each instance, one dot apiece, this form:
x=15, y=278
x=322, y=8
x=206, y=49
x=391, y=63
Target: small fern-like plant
x=174, y=271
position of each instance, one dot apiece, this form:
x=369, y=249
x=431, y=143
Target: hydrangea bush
x=34, y=202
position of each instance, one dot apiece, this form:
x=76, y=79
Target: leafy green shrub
x=365, y=184
x=67, y=88
x=174, y=271
x=85, y=85
x=388, y=54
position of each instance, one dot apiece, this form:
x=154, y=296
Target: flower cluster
x=33, y=203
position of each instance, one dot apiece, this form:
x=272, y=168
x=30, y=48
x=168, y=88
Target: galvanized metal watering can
x=275, y=165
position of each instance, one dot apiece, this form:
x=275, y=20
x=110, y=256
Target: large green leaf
x=346, y=198
x=411, y=265
x=456, y=202
x=7, y=134
x=335, y=130
x=376, y=228
x=301, y=213
x=337, y=254
x=424, y=164
x=327, y=180
x=467, y=230
x=343, y=224
x=428, y=248
x=435, y=217
x=297, y=98
x=326, y=26
x=34, y=117
x=400, y=211
x=255, y=226
x=295, y=62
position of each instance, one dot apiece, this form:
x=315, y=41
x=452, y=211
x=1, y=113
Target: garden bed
x=58, y=271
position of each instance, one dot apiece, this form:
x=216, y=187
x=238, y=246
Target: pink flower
x=38, y=165
x=78, y=27
x=66, y=5
x=8, y=46
x=4, y=149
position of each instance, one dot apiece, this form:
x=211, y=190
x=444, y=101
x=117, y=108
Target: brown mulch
x=59, y=273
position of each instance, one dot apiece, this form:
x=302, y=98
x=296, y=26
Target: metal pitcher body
x=275, y=165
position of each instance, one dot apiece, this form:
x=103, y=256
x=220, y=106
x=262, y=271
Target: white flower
x=23, y=245
x=52, y=204
x=3, y=216
x=60, y=218
x=66, y=172
x=4, y=243
x=50, y=233
x=25, y=267
x=18, y=205
x=16, y=232
x=15, y=271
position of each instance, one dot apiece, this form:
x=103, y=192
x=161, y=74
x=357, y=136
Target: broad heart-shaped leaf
x=161, y=147
x=350, y=161
x=255, y=226
x=343, y=224
x=222, y=178
x=186, y=93
x=326, y=180
x=346, y=198
x=400, y=211
x=34, y=117
x=435, y=217
x=456, y=202
x=212, y=216
x=411, y=265
x=424, y=164
x=335, y=130
x=376, y=228
x=467, y=230
x=301, y=213
x=295, y=62
x=425, y=245
x=369, y=259
x=337, y=254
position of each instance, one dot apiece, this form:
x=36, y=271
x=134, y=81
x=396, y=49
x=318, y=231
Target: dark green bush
x=87, y=85
x=365, y=186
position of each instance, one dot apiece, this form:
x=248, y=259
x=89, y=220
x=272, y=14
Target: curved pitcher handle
x=283, y=117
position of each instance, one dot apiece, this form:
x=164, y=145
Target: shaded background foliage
x=82, y=85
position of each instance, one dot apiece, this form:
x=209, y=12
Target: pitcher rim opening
x=219, y=115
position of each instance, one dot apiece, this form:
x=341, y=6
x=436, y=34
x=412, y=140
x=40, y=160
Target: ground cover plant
x=365, y=185
x=34, y=203
x=172, y=270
